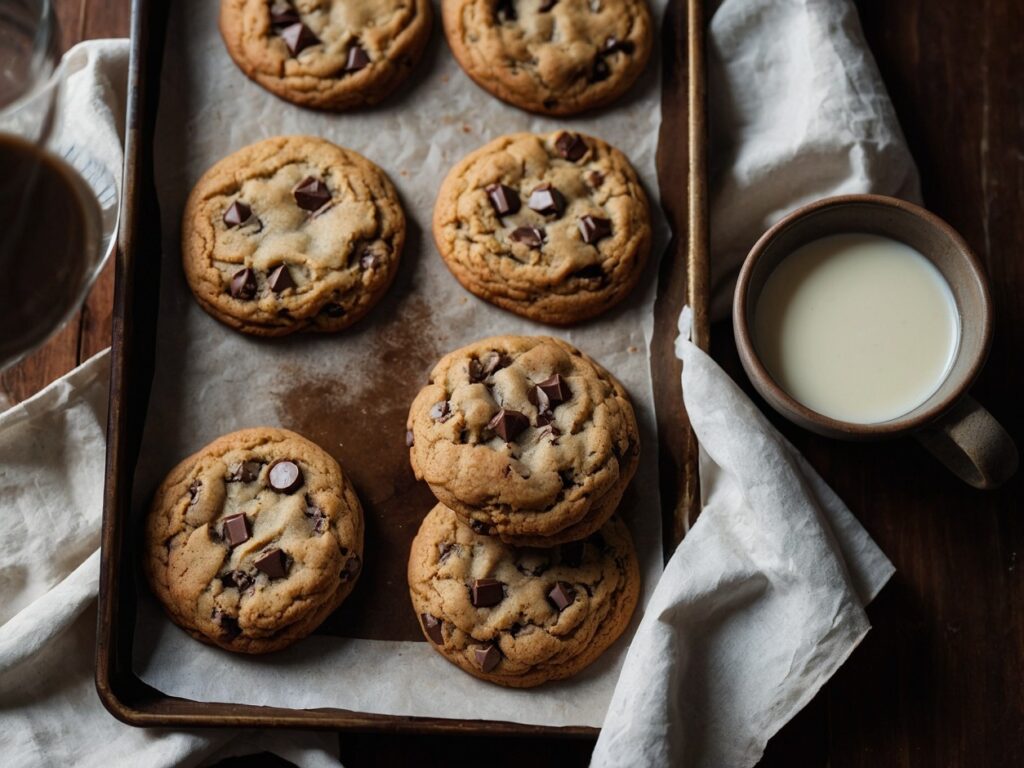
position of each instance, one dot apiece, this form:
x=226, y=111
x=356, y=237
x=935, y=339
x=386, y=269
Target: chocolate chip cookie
x=328, y=54
x=291, y=234
x=525, y=438
x=253, y=541
x=520, y=616
x=555, y=228
x=554, y=57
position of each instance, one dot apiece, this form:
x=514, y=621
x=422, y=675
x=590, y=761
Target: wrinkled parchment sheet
x=210, y=380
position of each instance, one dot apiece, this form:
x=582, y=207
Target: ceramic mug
x=950, y=423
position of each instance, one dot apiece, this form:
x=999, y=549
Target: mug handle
x=972, y=444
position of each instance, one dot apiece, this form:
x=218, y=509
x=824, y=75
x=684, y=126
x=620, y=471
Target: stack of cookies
x=521, y=574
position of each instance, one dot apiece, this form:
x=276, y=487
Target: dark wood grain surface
x=940, y=679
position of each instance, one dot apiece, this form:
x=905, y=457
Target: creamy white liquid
x=857, y=327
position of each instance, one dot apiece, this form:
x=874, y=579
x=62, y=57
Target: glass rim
x=46, y=59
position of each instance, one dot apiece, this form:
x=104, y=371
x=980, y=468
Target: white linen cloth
x=756, y=609
x=764, y=599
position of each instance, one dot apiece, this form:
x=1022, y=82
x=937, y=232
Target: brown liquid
x=45, y=246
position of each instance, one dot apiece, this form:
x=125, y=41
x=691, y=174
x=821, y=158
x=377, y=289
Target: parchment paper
x=350, y=391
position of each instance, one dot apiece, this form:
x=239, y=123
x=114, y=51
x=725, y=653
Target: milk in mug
x=858, y=327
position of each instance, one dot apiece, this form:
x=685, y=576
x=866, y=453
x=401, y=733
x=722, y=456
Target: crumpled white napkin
x=52, y=450
x=764, y=599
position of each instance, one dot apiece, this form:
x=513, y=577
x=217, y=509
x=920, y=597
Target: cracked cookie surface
x=254, y=540
x=291, y=234
x=519, y=616
x=555, y=57
x=525, y=438
x=553, y=227
x=327, y=54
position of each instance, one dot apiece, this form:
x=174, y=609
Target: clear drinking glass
x=58, y=207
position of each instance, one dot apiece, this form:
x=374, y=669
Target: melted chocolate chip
x=547, y=201
x=351, y=568
x=570, y=146
x=613, y=44
x=433, y=626
x=504, y=199
x=487, y=364
x=227, y=623
x=357, y=59
x=505, y=10
x=600, y=72
x=235, y=529
x=593, y=272
x=316, y=515
x=193, y=491
x=410, y=440
x=444, y=551
x=240, y=580
x=479, y=527
x=531, y=236
x=333, y=310
x=311, y=194
x=285, y=476
x=237, y=214
x=298, y=37
x=508, y=424
x=594, y=228
x=243, y=284
x=486, y=658
x=369, y=260
x=280, y=278
x=273, y=562
x=441, y=411
x=486, y=592
x=595, y=179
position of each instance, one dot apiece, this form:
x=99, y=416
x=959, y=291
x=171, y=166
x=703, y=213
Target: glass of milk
x=863, y=317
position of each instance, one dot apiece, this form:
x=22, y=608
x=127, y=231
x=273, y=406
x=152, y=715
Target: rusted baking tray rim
x=682, y=279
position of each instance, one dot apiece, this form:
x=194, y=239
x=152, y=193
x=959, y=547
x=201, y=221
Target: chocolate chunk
x=544, y=417
x=568, y=478
x=244, y=472
x=237, y=214
x=445, y=550
x=487, y=364
x=572, y=553
x=311, y=194
x=562, y=595
x=283, y=15
x=333, y=310
x=193, y=490
x=410, y=440
x=298, y=37
x=593, y=272
x=547, y=201
x=597, y=540
x=546, y=5
x=358, y=59
x=571, y=146
x=235, y=530
x=228, y=623
x=601, y=70
x=486, y=658
x=351, y=568
x=508, y=424
x=595, y=179
x=531, y=236
x=285, y=476
x=432, y=626
x=369, y=260
x=441, y=411
x=280, y=278
x=487, y=592
x=273, y=562
x=594, y=228
x=613, y=44
x=240, y=580
x=314, y=513
x=479, y=527
x=505, y=10
x=554, y=389
x=504, y=200
x=243, y=284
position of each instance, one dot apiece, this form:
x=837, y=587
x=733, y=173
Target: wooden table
x=939, y=681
